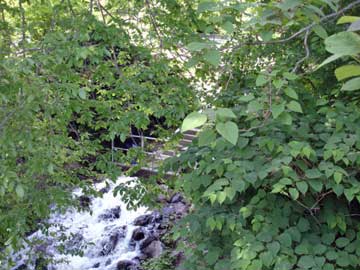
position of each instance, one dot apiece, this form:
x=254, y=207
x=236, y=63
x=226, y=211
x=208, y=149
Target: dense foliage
x=274, y=173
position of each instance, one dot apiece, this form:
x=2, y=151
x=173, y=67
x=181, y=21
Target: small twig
x=307, y=52
x=302, y=30
x=153, y=22
x=320, y=199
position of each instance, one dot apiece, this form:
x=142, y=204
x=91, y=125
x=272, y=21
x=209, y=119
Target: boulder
x=138, y=234
x=153, y=250
x=85, y=201
x=126, y=265
x=148, y=241
x=144, y=220
x=177, y=197
x=96, y=265
x=109, y=245
x=111, y=214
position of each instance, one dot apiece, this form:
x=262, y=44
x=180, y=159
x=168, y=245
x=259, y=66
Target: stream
x=106, y=235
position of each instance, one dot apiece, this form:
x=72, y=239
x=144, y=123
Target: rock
x=111, y=214
x=85, y=201
x=154, y=249
x=40, y=264
x=161, y=198
x=177, y=197
x=143, y=220
x=126, y=265
x=108, y=262
x=148, y=241
x=138, y=234
x=96, y=265
x=110, y=244
x=22, y=267
x=75, y=243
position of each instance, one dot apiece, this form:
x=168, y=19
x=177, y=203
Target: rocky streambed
x=108, y=236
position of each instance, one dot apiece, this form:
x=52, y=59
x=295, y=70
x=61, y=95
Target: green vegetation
x=274, y=173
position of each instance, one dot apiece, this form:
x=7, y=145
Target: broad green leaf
x=320, y=31
x=228, y=27
x=294, y=193
x=20, y=191
x=286, y=118
x=229, y=131
x=221, y=196
x=193, y=120
x=273, y=247
x=313, y=173
x=206, y=137
x=294, y=106
x=330, y=59
x=351, y=85
x=261, y=80
x=302, y=186
x=213, y=57
x=338, y=177
x=82, y=93
x=306, y=262
x=223, y=113
x=347, y=71
x=290, y=76
x=197, y=46
x=342, y=242
x=343, y=43
x=348, y=19
x=277, y=109
x=291, y=93
x=207, y=6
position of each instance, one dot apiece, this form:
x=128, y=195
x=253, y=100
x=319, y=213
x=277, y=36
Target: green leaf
x=228, y=27
x=348, y=19
x=291, y=93
x=330, y=59
x=213, y=57
x=338, y=177
x=342, y=242
x=294, y=193
x=351, y=85
x=20, y=191
x=290, y=76
x=343, y=43
x=197, y=46
x=347, y=71
x=303, y=225
x=277, y=109
x=193, y=120
x=313, y=173
x=261, y=80
x=306, y=262
x=206, y=137
x=320, y=31
x=82, y=93
x=229, y=131
x=221, y=196
x=286, y=119
x=302, y=186
x=225, y=113
x=274, y=248
x=294, y=106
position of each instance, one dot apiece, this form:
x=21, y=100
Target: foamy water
x=91, y=232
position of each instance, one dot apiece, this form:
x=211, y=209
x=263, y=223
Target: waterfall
x=104, y=235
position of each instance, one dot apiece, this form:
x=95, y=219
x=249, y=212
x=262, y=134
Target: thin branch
x=302, y=30
x=307, y=52
x=23, y=23
x=153, y=22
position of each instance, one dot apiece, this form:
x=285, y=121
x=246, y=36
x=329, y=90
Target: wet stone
x=126, y=265
x=111, y=214
x=138, y=234
x=96, y=265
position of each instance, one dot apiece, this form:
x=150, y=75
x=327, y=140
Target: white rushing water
x=103, y=235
